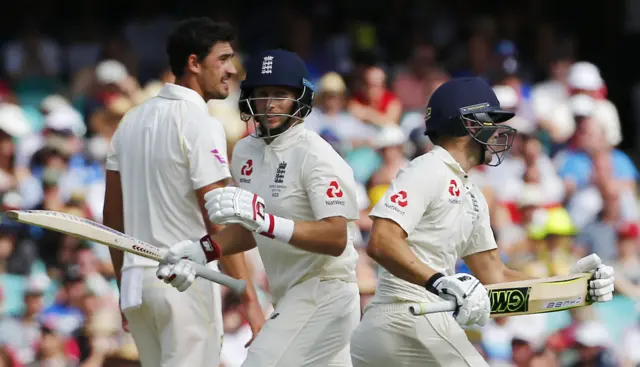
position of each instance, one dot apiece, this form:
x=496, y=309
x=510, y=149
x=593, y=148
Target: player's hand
x=601, y=284
x=471, y=296
x=256, y=319
x=180, y=275
x=235, y=205
x=200, y=252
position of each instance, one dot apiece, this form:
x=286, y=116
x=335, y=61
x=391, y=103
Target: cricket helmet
x=276, y=68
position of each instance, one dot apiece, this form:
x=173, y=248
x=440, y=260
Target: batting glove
x=235, y=205
x=180, y=275
x=470, y=295
x=601, y=284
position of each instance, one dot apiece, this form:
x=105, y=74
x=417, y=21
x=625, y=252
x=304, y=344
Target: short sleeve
x=113, y=159
x=205, y=146
x=482, y=238
x=408, y=197
x=330, y=185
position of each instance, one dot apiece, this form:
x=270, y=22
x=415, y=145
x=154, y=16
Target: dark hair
x=195, y=36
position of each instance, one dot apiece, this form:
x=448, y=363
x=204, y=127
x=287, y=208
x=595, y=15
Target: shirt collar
x=174, y=91
x=288, y=137
x=448, y=159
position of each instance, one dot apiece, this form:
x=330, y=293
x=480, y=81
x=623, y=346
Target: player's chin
x=488, y=157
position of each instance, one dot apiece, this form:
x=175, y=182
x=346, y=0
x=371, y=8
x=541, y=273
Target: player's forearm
x=510, y=275
x=236, y=267
x=321, y=237
x=234, y=239
x=394, y=254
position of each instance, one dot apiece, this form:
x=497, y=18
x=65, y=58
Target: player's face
x=216, y=70
x=272, y=102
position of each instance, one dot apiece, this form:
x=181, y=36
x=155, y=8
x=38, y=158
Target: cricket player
x=430, y=217
x=165, y=156
x=297, y=199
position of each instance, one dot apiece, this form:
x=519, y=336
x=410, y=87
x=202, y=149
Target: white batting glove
x=202, y=252
x=180, y=275
x=471, y=296
x=235, y=205
x=601, y=284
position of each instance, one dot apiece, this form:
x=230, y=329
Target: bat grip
x=236, y=285
x=423, y=308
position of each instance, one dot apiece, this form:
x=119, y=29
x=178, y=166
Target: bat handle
x=423, y=308
x=236, y=285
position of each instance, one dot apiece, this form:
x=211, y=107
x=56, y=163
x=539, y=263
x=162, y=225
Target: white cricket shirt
x=165, y=149
x=300, y=177
x=445, y=216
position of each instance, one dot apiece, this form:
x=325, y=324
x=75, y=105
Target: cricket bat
x=93, y=231
x=525, y=297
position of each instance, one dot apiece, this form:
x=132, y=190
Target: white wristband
x=279, y=228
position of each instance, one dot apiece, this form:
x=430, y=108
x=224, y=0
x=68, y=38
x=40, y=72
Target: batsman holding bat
x=165, y=156
x=431, y=216
x=297, y=200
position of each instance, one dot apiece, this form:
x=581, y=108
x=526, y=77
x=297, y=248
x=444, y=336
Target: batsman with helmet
x=431, y=216
x=296, y=201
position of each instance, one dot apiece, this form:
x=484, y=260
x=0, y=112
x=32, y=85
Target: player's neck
x=190, y=82
x=459, y=150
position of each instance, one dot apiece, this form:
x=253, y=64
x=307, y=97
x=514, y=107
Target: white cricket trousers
x=177, y=329
x=310, y=326
x=389, y=335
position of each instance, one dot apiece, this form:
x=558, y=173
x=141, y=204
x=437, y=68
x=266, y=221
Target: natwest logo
x=246, y=171
x=334, y=192
x=454, y=192
x=400, y=199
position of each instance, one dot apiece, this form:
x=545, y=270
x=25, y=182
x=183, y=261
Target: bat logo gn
x=511, y=300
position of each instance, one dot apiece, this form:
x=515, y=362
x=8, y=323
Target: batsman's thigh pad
x=185, y=325
x=310, y=326
x=389, y=335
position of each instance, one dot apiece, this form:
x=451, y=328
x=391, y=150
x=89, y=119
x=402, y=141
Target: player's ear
x=193, y=64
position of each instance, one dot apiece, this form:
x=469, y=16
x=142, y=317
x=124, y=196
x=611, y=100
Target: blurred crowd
x=564, y=191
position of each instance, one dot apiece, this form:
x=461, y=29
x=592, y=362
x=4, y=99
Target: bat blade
x=88, y=230
x=93, y=231
x=525, y=297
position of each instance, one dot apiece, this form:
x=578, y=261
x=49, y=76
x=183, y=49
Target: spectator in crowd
x=21, y=333
x=330, y=120
x=412, y=84
x=374, y=103
x=584, y=79
x=627, y=264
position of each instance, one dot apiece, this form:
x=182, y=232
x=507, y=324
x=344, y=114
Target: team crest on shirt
x=246, y=171
x=454, y=192
x=278, y=186
x=334, y=194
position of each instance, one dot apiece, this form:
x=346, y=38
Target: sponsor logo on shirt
x=246, y=170
x=219, y=156
x=334, y=193
x=398, y=200
x=454, y=192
